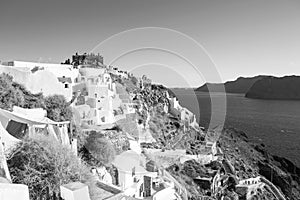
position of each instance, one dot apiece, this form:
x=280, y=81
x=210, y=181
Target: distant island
x=259, y=87
x=284, y=88
x=240, y=85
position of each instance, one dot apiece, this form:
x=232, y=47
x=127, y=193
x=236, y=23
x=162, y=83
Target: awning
x=26, y=116
x=31, y=119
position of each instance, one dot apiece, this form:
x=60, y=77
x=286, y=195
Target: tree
x=100, y=148
x=44, y=165
x=58, y=108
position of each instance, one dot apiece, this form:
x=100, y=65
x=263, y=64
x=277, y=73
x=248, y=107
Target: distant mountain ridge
x=259, y=87
x=240, y=85
x=283, y=88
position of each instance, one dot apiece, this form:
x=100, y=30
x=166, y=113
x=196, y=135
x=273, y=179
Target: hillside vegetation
x=15, y=94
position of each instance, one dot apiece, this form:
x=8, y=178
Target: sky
x=193, y=42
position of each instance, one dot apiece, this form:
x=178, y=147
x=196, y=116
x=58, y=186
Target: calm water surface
x=274, y=123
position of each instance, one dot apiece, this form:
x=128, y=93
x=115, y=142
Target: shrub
x=100, y=148
x=43, y=165
x=58, y=108
x=134, y=80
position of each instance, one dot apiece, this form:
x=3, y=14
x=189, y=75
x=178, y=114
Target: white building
x=48, y=78
x=133, y=178
x=59, y=70
x=96, y=93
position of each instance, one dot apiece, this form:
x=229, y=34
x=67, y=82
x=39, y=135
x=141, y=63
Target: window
x=96, y=95
x=66, y=85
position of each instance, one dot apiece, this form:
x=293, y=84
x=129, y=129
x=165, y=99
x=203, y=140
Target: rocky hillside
x=240, y=85
x=285, y=88
x=246, y=159
x=250, y=160
x=198, y=178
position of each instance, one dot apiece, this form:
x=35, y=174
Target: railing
x=274, y=189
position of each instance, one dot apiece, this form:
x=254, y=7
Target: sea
x=275, y=123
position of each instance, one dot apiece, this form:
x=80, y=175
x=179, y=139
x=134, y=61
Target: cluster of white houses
x=86, y=78
x=96, y=99
x=95, y=95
